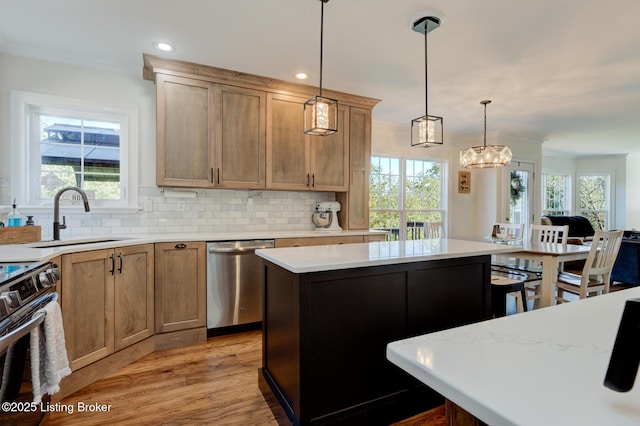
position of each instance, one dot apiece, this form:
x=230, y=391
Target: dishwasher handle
x=243, y=249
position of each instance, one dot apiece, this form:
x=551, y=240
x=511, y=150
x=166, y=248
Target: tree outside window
x=555, y=190
x=593, y=200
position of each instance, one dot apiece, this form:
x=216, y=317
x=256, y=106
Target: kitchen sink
x=59, y=243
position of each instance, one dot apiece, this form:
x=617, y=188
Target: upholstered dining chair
x=595, y=278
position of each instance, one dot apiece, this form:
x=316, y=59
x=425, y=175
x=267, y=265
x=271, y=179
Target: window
x=556, y=194
x=65, y=142
x=594, y=199
x=405, y=194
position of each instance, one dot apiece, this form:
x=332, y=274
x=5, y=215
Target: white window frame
x=569, y=199
x=25, y=153
x=609, y=195
x=402, y=209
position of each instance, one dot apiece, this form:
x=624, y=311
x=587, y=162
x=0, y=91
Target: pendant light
x=426, y=131
x=321, y=114
x=485, y=156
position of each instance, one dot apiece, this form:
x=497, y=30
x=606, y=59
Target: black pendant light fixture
x=321, y=114
x=485, y=156
x=426, y=131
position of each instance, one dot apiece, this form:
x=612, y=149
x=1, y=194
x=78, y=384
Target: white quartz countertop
x=543, y=367
x=345, y=256
x=26, y=253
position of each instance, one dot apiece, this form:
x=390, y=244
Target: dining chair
x=595, y=278
x=548, y=234
x=434, y=230
x=543, y=234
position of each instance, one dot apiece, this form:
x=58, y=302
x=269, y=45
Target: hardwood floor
x=211, y=383
x=215, y=383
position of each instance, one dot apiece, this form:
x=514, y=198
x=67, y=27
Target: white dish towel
x=49, y=364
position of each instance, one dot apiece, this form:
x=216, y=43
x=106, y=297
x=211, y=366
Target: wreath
x=517, y=188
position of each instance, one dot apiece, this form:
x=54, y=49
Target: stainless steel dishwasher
x=234, y=282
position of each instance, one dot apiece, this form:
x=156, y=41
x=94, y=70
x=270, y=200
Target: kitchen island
x=329, y=312
x=544, y=367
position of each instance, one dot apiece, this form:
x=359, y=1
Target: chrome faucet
x=57, y=226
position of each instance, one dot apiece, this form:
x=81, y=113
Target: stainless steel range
x=24, y=288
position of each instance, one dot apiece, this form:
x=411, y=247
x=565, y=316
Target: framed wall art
x=464, y=182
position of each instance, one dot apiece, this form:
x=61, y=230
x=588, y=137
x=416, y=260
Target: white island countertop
x=346, y=256
x=543, y=367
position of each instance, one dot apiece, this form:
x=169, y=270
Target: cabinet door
x=184, y=135
x=87, y=305
x=355, y=203
x=180, y=286
x=288, y=151
x=330, y=157
x=239, y=129
x=133, y=292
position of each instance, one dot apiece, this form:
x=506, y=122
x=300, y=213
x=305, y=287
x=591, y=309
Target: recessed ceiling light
x=302, y=76
x=165, y=47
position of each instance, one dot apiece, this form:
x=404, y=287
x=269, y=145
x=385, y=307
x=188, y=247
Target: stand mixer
x=325, y=217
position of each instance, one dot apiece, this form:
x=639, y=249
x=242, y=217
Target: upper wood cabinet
x=300, y=162
x=209, y=135
x=184, y=132
x=239, y=137
x=219, y=128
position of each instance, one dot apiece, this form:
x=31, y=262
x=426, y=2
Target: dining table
x=551, y=255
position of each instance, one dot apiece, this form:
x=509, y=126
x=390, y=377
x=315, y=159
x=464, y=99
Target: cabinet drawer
x=318, y=241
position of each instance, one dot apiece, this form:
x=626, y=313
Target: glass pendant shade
x=485, y=157
x=426, y=131
x=320, y=116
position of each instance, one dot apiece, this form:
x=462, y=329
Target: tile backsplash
x=191, y=211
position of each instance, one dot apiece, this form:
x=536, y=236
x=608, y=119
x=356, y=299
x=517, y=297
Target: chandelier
x=485, y=156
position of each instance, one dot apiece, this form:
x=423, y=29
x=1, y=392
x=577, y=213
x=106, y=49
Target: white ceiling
x=563, y=71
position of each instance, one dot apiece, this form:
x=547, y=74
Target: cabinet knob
x=181, y=245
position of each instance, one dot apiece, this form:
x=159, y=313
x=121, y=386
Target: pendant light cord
x=485, y=124
x=321, y=39
x=426, y=75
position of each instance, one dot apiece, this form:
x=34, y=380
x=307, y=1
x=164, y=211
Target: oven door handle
x=11, y=338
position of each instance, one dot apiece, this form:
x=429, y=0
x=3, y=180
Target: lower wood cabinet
x=181, y=279
x=328, y=239
x=107, y=301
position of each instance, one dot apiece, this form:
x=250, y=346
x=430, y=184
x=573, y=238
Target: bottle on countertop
x=14, y=218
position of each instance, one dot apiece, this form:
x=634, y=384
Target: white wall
x=209, y=210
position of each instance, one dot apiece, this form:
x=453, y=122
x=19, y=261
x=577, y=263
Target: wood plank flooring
x=211, y=383
x=215, y=383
